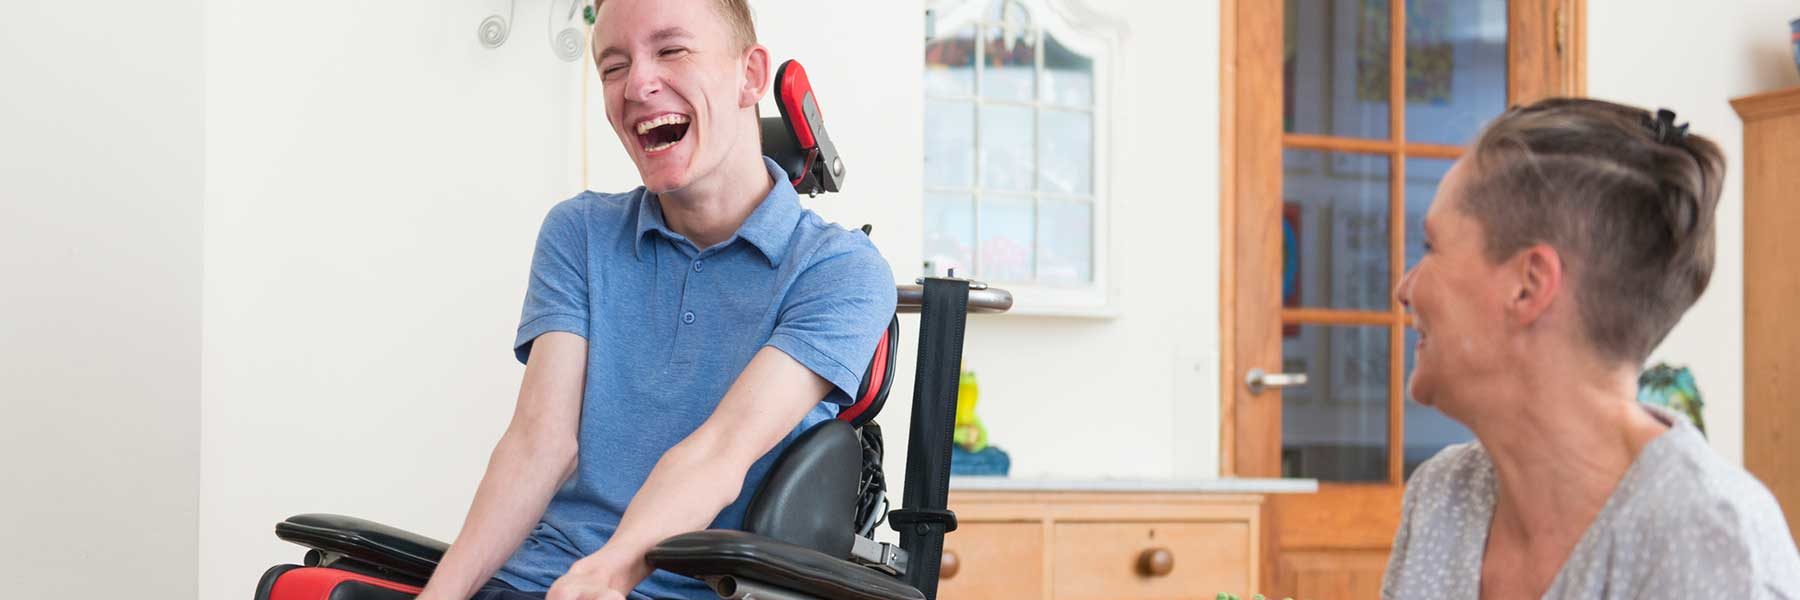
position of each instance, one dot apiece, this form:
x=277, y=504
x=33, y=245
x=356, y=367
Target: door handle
x=1258, y=381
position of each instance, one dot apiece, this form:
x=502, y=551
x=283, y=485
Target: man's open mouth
x=661, y=133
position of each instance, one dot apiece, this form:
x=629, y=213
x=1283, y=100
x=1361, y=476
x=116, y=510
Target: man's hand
x=586, y=580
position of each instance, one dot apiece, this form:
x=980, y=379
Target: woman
x=1559, y=252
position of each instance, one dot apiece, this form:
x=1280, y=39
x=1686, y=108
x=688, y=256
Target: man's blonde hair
x=737, y=17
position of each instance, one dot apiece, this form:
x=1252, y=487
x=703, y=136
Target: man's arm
x=535, y=455
x=701, y=475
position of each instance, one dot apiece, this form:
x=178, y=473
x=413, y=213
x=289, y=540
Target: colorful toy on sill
x=1672, y=388
x=970, y=434
x=971, y=454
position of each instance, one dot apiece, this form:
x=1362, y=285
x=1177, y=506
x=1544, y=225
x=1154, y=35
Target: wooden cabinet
x=1111, y=546
x=1771, y=287
x=993, y=560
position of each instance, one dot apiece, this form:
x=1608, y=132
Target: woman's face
x=1457, y=298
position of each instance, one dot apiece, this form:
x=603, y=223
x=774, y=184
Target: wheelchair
x=808, y=533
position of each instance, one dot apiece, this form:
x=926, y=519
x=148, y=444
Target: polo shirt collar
x=768, y=229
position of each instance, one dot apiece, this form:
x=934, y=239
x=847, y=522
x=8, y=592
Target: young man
x=675, y=337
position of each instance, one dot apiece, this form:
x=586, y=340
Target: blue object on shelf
x=990, y=461
x=1794, y=34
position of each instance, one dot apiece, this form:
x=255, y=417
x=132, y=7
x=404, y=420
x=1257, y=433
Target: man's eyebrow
x=661, y=35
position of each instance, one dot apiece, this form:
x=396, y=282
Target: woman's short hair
x=1626, y=196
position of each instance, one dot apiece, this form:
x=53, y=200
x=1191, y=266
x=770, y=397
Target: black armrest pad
x=717, y=553
x=367, y=542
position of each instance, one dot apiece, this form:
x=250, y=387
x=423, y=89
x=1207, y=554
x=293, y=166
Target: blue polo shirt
x=669, y=327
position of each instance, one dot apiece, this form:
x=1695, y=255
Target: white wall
x=100, y=162
x=371, y=207
x=1672, y=54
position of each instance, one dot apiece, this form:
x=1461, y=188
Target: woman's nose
x=1403, y=292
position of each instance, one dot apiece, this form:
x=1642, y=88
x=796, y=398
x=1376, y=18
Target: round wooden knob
x=1156, y=562
x=950, y=564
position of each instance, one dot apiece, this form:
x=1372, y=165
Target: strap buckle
x=921, y=519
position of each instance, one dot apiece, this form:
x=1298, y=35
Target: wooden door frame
x=1251, y=143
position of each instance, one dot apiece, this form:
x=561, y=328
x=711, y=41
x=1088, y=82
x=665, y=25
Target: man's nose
x=643, y=82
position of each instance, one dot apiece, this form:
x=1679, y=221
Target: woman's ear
x=1539, y=269
x=756, y=76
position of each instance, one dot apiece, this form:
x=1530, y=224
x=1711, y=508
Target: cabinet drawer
x=1106, y=560
x=994, y=560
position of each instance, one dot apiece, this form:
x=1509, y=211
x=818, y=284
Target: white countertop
x=1226, y=485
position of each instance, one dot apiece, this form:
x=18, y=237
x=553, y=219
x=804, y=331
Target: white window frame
x=1098, y=38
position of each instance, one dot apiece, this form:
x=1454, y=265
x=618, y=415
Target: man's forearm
x=684, y=492
x=705, y=472
x=521, y=476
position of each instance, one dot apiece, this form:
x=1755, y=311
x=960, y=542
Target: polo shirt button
x=688, y=317
x=698, y=264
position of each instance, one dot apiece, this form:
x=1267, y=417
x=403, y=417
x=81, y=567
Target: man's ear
x=756, y=76
x=1539, y=269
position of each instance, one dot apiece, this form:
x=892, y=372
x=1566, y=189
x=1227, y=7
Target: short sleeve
x=836, y=311
x=556, y=297
x=1725, y=546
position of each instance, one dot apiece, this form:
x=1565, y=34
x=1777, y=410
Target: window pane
x=1336, y=222
x=1422, y=178
x=1006, y=148
x=1011, y=12
x=1011, y=64
x=1066, y=152
x=949, y=232
x=1066, y=252
x=1334, y=428
x=950, y=64
x=949, y=144
x=1455, y=68
x=1335, y=68
x=1427, y=430
x=1068, y=76
x=1007, y=242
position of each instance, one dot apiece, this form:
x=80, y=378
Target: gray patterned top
x=1683, y=523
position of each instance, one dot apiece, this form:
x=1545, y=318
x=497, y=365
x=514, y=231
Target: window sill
x=1078, y=303
x=1069, y=312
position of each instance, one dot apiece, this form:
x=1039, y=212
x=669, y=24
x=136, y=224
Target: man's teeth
x=662, y=146
x=646, y=126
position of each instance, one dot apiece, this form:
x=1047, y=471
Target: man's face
x=675, y=86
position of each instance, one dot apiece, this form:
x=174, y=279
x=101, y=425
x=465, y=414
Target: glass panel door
x=1371, y=121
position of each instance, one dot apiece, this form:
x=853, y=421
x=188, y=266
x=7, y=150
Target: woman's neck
x=1560, y=448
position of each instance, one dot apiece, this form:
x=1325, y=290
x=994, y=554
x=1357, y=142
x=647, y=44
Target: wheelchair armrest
x=719, y=553
x=384, y=548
